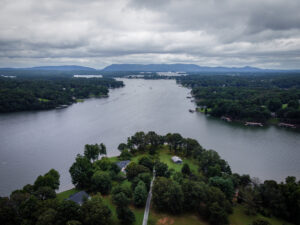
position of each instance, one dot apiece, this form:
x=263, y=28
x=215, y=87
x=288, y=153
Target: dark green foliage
x=125, y=215
x=73, y=222
x=47, y=218
x=122, y=188
x=140, y=194
x=120, y=199
x=217, y=214
x=50, y=179
x=133, y=170
x=38, y=93
x=45, y=192
x=125, y=155
x=67, y=211
x=175, y=142
x=122, y=147
x=8, y=215
x=161, y=169
x=102, y=149
x=81, y=172
x=260, y=222
x=212, y=165
x=251, y=98
x=121, y=196
x=186, y=169
x=145, y=177
x=101, y=182
x=167, y=195
x=192, y=192
x=224, y=184
x=274, y=104
x=250, y=198
x=94, y=212
x=154, y=140
x=147, y=162
x=283, y=200
x=138, y=141
x=92, y=152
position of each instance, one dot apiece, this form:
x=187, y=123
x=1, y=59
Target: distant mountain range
x=153, y=68
x=57, y=68
x=181, y=68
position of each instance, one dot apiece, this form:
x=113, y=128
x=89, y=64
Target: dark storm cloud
x=95, y=33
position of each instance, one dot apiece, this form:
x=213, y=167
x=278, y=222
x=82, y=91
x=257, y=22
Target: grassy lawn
x=284, y=106
x=203, y=110
x=79, y=100
x=165, y=157
x=43, y=100
x=273, y=121
x=113, y=159
x=65, y=194
x=240, y=218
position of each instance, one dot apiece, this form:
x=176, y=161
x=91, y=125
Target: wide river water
x=31, y=143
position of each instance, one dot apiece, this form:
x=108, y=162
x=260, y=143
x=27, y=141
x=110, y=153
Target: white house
x=176, y=159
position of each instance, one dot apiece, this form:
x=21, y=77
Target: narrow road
x=147, y=207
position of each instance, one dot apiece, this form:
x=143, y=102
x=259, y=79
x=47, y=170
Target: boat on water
x=191, y=110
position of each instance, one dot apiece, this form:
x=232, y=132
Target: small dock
x=287, y=125
x=254, y=124
x=225, y=118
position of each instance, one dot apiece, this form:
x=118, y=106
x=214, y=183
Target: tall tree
x=102, y=149
x=81, y=172
x=140, y=194
x=95, y=212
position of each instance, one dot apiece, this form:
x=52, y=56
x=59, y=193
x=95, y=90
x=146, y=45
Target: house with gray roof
x=79, y=197
x=122, y=164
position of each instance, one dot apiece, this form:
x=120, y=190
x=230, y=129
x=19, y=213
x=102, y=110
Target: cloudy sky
x=96, y=33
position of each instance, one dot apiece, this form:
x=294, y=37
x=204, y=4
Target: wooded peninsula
x=199, y=189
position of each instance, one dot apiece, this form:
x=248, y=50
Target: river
x=31, y=143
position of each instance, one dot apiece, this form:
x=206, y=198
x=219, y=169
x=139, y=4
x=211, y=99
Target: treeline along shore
x=253, y=100
x=40, y=93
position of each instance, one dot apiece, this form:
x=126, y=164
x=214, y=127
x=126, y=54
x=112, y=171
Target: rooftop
x=78, y=197
x=123, y=164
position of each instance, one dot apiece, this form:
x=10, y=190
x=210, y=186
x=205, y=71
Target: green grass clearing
x=273, y=121
x=202, y=110
x=239, y=217
x=66, y=194
x=166, y=157
x=43, y=100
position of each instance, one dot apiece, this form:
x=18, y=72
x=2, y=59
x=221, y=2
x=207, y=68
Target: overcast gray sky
x=263, y=33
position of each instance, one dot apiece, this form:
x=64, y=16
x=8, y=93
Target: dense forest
x=38, y=93
x=205, y=186
x=248, y=98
